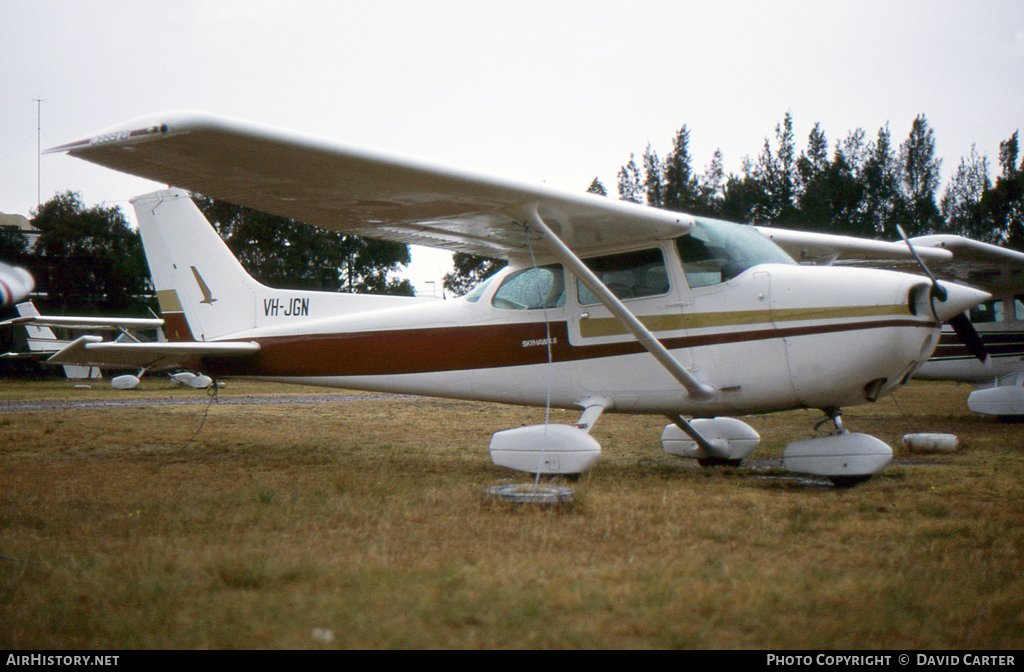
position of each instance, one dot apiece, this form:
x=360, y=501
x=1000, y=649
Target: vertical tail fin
x=205, y=294
x=40, y=339
x=43, y=340
x=203, y=291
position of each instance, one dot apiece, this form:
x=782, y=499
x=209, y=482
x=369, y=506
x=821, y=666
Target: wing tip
x=142, y=129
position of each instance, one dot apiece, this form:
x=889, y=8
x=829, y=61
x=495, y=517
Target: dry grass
x=365, y=523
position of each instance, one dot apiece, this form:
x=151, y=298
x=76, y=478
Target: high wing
x=364, y=192
x=997, y=270
x=94, y=351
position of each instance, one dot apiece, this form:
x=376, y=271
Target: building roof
x=19, y=221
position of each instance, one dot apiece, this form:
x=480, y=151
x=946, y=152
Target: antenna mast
x=39, y=151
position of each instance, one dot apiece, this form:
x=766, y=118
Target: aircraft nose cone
x=958, y=299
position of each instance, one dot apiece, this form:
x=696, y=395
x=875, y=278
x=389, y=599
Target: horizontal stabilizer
x=93, y=351
x=84, y=322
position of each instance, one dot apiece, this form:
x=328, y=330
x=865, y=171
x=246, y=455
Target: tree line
x=858, y=186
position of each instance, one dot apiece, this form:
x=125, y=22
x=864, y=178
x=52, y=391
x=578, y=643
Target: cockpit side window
x=532, y=289
x=990, y=311
x=629, y=275
x=1018, y=307
x=715, y=252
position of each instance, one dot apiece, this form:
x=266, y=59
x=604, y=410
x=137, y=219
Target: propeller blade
x=938, y=291
x=969, y=336
x=961, y=324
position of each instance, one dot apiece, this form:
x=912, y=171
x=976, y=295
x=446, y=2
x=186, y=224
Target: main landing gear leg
x=836, y=416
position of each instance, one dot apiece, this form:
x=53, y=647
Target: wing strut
x=712, y=449
x=695, y=389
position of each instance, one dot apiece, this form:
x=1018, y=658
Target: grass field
x=364, y=523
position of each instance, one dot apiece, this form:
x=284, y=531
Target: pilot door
x=641, y=280
x=736, y=345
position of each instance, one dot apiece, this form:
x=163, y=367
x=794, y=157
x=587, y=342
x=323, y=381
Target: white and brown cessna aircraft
x=605, y=305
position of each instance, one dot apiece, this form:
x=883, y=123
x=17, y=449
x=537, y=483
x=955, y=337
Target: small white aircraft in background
x=605, y=305
x=996, y=364
x=1000, y=379
x=43, y=342
x=989, y=352
x=15, y=284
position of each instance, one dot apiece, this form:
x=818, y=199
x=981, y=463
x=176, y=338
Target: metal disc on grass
x=528, y=493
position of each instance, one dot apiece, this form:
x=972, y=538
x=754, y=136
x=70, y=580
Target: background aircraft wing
x=997, y=270
x=826, y=248
x=361, y=191
x=93, y=351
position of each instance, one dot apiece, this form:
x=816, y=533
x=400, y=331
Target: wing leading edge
x=364, y=192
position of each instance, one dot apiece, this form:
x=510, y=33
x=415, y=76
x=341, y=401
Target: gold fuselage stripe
x=610, y=326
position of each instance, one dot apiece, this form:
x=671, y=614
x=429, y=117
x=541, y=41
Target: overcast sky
x=549, y=91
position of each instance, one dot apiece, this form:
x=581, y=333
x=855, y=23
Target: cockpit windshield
x=716, y=251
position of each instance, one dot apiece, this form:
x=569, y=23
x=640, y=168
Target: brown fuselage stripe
x=998, y=344
x=406, y=351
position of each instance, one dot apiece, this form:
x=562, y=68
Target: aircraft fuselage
x=792, y=337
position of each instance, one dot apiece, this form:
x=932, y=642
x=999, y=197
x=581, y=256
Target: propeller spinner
x=956, y=318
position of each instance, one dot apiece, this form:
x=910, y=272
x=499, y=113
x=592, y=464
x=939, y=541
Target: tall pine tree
x=920, y=179
x=680, y=184
x=777, y=174
x=961, y=202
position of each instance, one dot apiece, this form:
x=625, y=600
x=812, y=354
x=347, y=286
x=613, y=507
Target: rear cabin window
x=630, y=275
x=532, y=289
x=715, y=252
